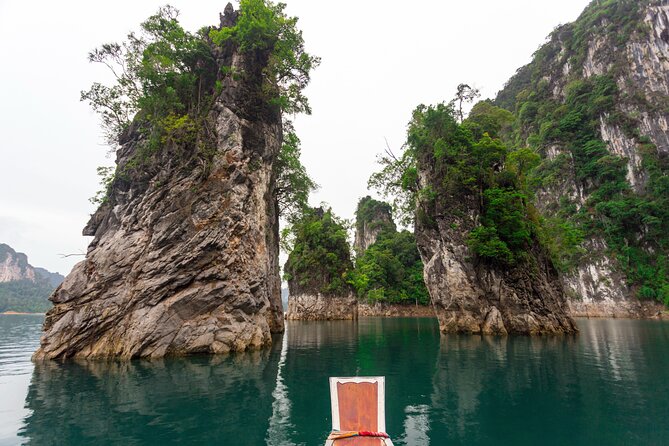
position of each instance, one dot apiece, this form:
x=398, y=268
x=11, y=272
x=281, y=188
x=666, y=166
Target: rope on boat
x=338, y=435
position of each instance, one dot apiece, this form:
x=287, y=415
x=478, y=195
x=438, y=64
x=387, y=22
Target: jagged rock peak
x=229, y=16
x=14, y=265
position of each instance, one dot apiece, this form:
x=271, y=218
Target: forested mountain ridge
x=24, y=288
x=594, y=103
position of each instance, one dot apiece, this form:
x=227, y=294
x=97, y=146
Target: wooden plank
x=358, y=406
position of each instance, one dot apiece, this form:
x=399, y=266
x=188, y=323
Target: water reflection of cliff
x=480, y=381
x=606, y=386
x=304, y=335
x=560, y=390
x=190, y=400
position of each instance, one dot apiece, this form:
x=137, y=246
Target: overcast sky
x=381, y=58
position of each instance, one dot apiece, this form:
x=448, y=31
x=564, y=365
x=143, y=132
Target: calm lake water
x=609, y=385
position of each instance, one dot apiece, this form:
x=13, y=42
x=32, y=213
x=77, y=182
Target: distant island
x=24, y=289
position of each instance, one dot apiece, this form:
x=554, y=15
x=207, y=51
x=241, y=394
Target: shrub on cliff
x=468, y=166
x=263, y=26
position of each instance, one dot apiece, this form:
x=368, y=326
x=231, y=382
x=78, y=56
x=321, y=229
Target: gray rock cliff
x=319, y=307
x=184, y=258
x=473, y=297
x=14, y=266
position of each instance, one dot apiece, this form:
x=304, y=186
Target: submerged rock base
x=310, y=307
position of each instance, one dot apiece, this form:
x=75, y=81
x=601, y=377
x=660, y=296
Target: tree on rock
x=317, y=268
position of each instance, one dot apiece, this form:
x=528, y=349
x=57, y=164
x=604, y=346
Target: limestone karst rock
x=14, y=266
x=473, y=297
x=484, y=265
x=185, y=252
x=622, y=45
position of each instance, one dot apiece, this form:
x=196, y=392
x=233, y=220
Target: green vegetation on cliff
x=482, y=169
x=372, y=214
x=167, y=79
x=320, y=255
x=164, y=77
x=263, y=27
x=293, y=183
x=469, y=165
x=634, y=223
x=390, y=271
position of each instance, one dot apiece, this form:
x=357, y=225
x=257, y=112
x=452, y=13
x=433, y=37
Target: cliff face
x=372, y=217
x=185, y=254
x=318, y=307
x=475, y=297
x=14, y=266
x=620, y=51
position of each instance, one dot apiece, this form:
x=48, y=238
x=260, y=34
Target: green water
x=608, y=386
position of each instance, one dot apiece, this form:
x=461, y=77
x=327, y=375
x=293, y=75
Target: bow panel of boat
x=358, y=411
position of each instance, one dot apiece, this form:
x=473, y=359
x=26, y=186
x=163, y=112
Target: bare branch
x=63, y=256
x=389, y=151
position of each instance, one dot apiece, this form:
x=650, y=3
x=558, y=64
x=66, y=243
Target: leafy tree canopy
x=263, y=26
x=390, y=270
x=293, y=184
x=159, y=71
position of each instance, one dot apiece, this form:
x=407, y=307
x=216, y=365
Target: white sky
x=381, y=58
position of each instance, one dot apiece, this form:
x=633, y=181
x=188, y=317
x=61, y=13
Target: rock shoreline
x=394, y=310
x=619, y=310
x=317, y=307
